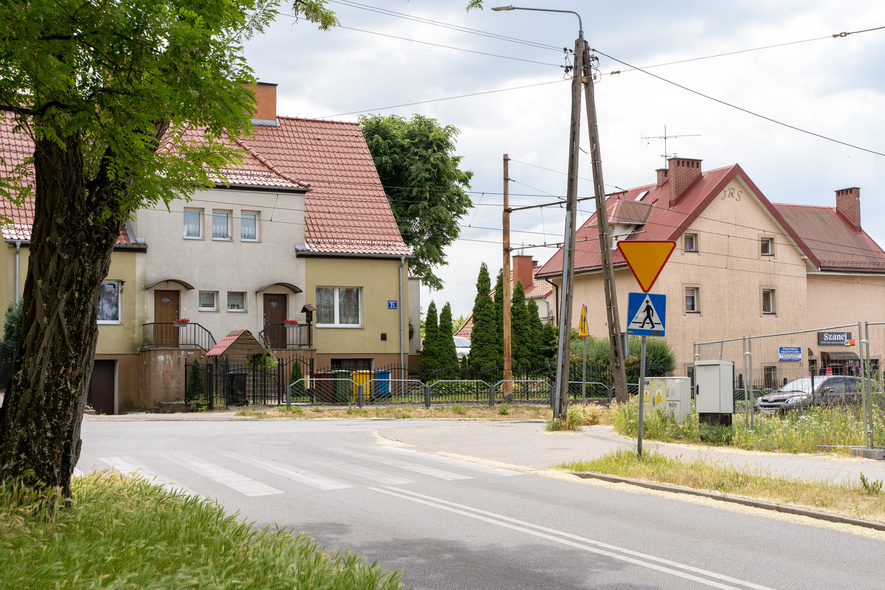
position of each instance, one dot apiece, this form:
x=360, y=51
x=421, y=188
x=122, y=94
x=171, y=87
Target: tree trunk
x=74, y=232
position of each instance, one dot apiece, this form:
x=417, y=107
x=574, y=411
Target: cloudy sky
x=763, y=84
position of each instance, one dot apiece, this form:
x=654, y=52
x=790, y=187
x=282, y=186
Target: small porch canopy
x=238, y=343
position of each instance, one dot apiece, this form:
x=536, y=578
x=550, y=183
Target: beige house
x=297, y=245
x=742, y=265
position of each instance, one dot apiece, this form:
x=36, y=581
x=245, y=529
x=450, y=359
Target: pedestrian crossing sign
x=647, y=313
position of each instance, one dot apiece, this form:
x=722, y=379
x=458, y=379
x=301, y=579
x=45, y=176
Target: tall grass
x=834, y=429
x=126, y=533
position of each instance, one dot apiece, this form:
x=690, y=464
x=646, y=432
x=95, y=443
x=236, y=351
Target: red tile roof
x=831, y=244
x=346, y=210
x=813, y=229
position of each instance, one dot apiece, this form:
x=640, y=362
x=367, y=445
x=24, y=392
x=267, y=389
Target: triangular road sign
x=646, y=260
x=583, y=332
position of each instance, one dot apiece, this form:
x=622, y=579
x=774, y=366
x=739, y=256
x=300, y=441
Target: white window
x=220, y=225
x=767, y=246
x=208, y=301
x=690, y=242
x=692, y=300
x=109, y=302
x=193, y=223
x=236, y=301
x=249, y=227
x=768, y=301
x=338, y=306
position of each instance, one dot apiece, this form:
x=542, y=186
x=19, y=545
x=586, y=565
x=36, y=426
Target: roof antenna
x=647, y=139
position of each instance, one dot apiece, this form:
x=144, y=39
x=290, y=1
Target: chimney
x=662, y=176
x=522, y=270
x=848, y=206
x=683, y=172
x=265, y=104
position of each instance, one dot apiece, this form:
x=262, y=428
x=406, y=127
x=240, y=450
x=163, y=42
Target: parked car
x=462, y=346
x=829, y=390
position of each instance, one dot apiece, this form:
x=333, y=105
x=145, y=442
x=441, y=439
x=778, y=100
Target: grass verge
x=126, y=533
x=862, y=500
x=818, y=429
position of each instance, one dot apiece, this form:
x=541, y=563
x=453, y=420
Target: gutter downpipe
x=18, y=248
x=402, y=336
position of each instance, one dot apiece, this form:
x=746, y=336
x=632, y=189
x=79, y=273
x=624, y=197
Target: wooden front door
x=165, y=312
x=275, y=306
x=101, y=387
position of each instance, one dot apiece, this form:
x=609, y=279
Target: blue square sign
x=391, y=304
x=647, y=314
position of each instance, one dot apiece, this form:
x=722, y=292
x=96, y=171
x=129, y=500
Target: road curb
x=734, y=500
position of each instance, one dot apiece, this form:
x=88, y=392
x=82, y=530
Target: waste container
x=360, y=378
x=342, y=386
x=236, y=389
x=382, y=384
x=323, y=387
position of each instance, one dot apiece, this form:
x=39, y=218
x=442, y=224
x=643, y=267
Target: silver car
x=828, y=390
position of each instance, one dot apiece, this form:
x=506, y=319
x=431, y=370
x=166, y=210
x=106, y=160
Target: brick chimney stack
x=522, y=270
x=683, y=172
x=662, y=176
x=848, y=206
x=265, y=104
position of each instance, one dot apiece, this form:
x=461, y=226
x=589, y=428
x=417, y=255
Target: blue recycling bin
x=381, y=388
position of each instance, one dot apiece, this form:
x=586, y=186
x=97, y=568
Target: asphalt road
x=449, y=523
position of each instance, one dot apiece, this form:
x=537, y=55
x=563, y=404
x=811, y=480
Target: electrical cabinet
x=671, y=395
x=715, y=387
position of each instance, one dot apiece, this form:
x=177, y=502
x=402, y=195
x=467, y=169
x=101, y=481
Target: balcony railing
x=285, y=336
x=177, y=335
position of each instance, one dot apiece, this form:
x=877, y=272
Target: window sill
x=222, y=239
x=109, y=322
x=352, y=326
x=193, y=237
x=236, y=311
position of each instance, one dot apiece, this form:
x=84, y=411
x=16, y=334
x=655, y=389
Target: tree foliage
x=426, y=189
x=521, y=335
x=12, y=323
x=128, y=104
x=484, y=337
x=448, y=356
x=430, y=353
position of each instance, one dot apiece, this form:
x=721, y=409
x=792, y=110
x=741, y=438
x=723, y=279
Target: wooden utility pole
x=508, y=295
x=560, y=405
x=619, y=373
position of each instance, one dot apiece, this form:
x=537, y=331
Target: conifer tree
x=430, y=351
x=448, y=356
x=536, y=328
x=499, y=315
x=520, y=330
x=196, y=390
x=483, y=340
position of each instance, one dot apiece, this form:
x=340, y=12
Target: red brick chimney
x=683, y=172
x=265, y=103
x=848, y=206
x=662, y=176
x=522, y=270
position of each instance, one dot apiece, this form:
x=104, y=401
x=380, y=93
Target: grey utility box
x=714, y=391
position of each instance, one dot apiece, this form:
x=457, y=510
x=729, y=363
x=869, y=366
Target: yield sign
x=646, y=260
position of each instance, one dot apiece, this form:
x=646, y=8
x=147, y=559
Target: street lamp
x=581, y=72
